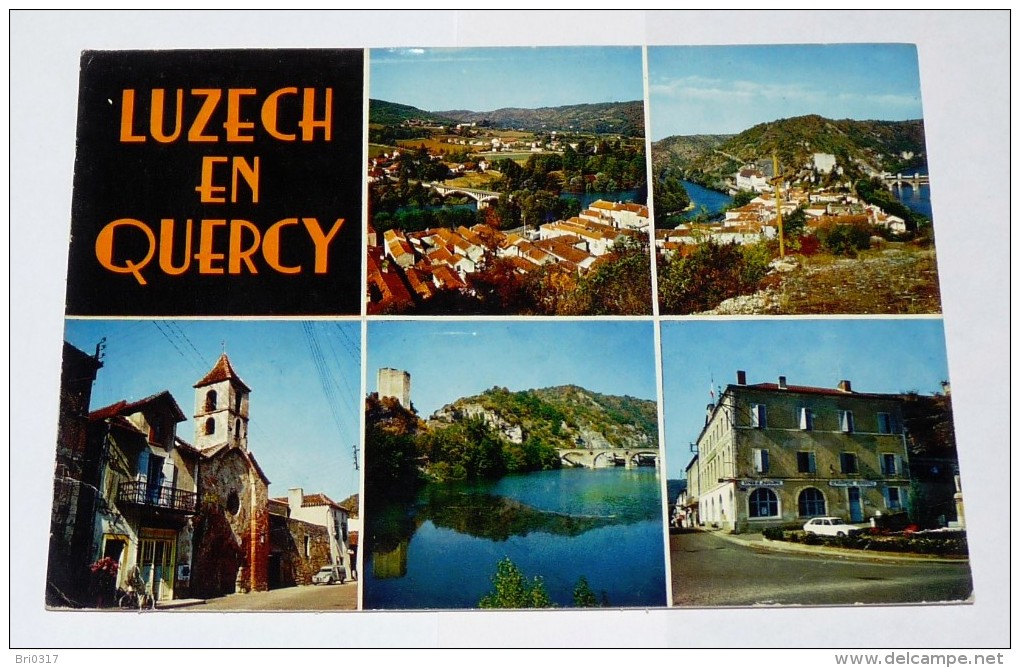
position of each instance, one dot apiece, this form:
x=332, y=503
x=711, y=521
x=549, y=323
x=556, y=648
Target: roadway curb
x=864, y=555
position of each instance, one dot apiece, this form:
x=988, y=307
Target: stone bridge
x=899, y=180
x=593, y=459
x=483, y=197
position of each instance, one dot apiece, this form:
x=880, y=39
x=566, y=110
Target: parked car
x=328, y=575
x=830, y=526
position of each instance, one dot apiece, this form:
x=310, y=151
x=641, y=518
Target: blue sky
x=728, y=89
x=881, y=356
x=493, y=78
x=292, y=431
x=448, y=360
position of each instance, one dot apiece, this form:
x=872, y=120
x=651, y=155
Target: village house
x=752, y=178
x=776, y=454
x=190, y=520
x=627, y=215
x=308, y=531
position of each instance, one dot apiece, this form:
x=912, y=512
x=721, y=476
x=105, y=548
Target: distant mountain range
x=860, y=147
x=622, y=118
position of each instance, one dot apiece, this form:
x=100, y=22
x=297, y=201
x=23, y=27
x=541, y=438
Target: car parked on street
x=328, y=575
x=830, y=526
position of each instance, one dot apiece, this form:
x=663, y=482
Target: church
x=195, y=519
x=232, y=520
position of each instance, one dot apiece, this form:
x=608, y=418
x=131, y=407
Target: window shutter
x=846, y=421
x=143, y=466
x=169, y=473
x=761, y=461
x=806, y=421
x=898, y=464
x=758, y=416
x=811, y=462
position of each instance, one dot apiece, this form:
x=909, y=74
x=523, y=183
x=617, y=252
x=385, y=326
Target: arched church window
x=210, y=400
x=210, y=426
x=233, y=502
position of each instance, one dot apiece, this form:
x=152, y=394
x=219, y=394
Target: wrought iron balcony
x=137, y=493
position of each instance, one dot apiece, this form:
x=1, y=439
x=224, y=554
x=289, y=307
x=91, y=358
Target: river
x=917, y=200
x=713, y=200
x=441, y=551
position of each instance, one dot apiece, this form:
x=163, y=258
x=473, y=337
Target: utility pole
x=777, y=182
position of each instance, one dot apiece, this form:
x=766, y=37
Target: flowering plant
x=105, y=566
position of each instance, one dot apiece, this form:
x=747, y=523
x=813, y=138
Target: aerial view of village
x=501, y=475
x=200, y=469
x=790, y=180
x=507, y=181
x=818, y=468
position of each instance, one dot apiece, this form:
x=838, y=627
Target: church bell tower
x=221, y=408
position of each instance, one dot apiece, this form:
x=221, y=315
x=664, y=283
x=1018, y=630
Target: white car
x=830, y=526
x=328, y=575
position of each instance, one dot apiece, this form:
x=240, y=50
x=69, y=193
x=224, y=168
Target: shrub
x=584, y=597
x=846, y=239
x=510, y=589
x=711, y=274
x=773, y=533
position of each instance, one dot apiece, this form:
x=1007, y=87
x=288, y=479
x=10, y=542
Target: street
x=311, y=597
x=710, y=571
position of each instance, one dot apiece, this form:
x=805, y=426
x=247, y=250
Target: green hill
x=860, y=147
x=562, y=417
x=381, y=112
x=622, y=118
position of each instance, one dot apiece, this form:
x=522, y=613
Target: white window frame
x=807, y=418
x=759, y=416
x=846, y=421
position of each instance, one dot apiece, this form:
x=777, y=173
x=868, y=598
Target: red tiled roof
x=222, y=371
x=123, y=407
x=807, y=389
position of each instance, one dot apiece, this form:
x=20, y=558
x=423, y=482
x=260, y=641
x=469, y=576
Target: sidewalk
x=757, y=541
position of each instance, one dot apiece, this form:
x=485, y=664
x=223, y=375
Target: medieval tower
x=221, y=408
x=396, y=384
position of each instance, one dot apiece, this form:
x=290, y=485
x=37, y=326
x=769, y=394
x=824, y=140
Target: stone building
x=75, y=482
x=775, y=454
x=396, y=384
x=308, y=531
x=232, y=525
x=191, y=520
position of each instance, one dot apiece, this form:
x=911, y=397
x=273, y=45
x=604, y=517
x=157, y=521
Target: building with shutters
x=776, y=454
x=146, y=483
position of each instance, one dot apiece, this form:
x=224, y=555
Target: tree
x=621, y=284
x=743, y=198
x=584, y=597
x=510, y=589
x=670, y=198
x=711, y=274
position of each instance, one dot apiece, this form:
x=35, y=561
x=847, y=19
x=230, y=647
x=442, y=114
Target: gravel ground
x=894, y=280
